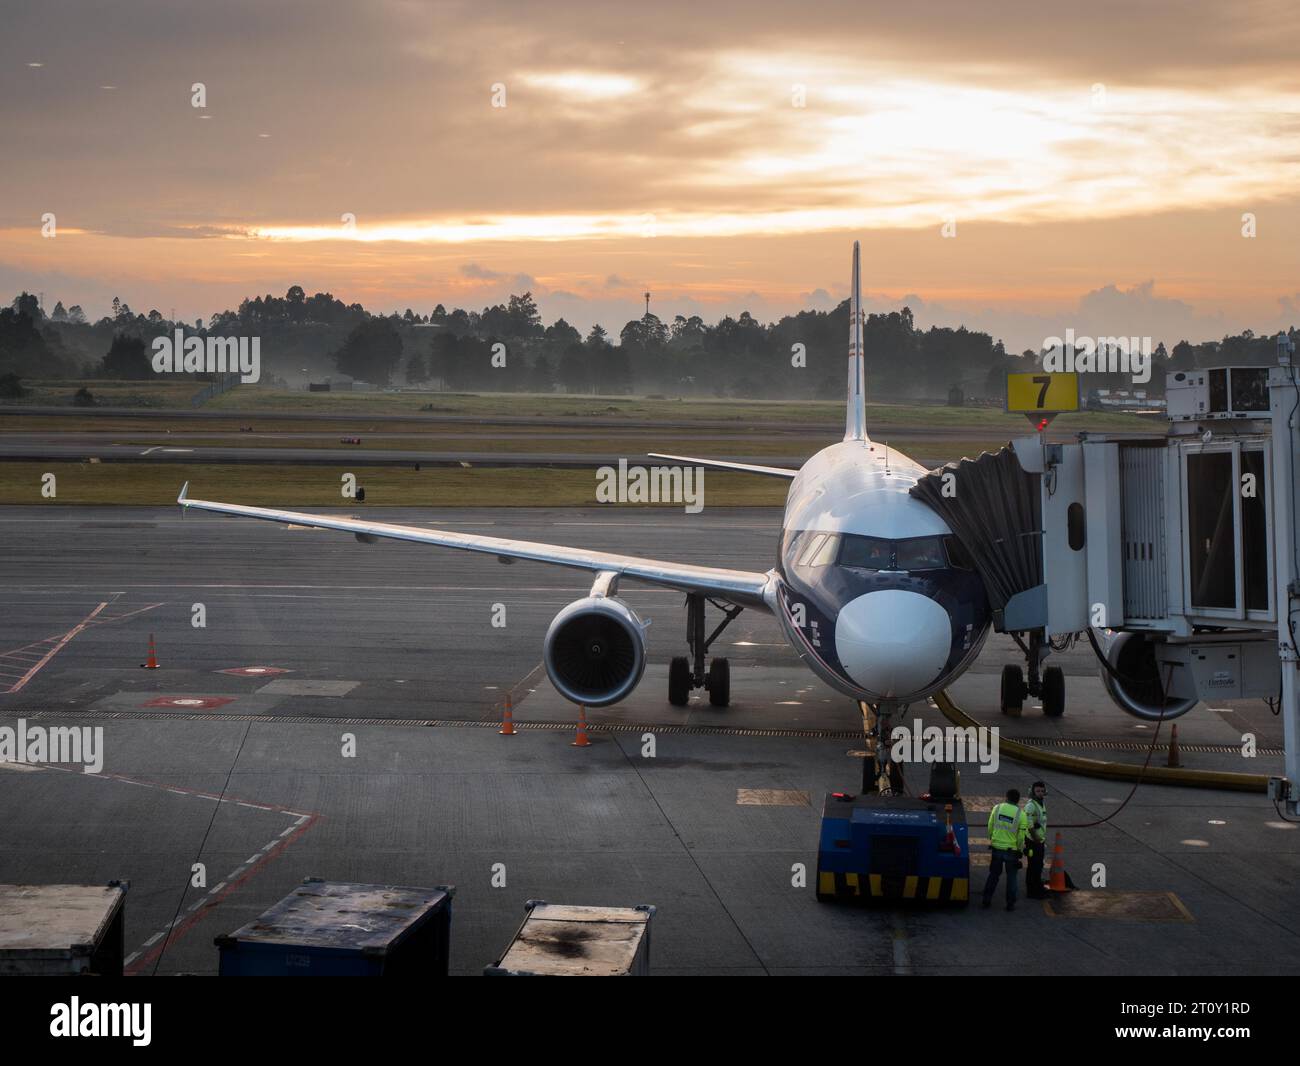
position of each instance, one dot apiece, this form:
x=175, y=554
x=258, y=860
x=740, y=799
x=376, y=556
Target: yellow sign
x=1042, y=393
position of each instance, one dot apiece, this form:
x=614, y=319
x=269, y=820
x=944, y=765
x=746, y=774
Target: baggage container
x=57, y=930
x=335, y=929
x=560, y=941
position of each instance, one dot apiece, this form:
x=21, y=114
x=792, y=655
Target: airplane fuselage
x=871, y=588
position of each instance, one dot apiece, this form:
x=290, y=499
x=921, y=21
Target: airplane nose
x=892, y=642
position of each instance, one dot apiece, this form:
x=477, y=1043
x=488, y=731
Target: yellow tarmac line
x=1114, y=771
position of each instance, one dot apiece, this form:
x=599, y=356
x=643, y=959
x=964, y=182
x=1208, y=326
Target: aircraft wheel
x=679, y=681
x=1013, y=689
x=719, y=682
x=943, y=781
x=1053, y=692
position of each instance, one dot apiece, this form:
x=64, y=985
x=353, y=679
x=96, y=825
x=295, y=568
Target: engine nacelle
x=595, y=651
x=1139, y=689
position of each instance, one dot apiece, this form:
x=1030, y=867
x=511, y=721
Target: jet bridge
x=1177, y=554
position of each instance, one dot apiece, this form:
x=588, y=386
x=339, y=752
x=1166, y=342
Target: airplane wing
x=722, y=464
x=743, y=587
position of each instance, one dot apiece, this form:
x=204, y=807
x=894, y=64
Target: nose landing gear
x=685, y=674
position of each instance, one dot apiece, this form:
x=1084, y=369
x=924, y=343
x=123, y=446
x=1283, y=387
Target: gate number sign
x=1042, y=393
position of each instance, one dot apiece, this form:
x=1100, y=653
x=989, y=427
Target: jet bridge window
x=1210, y=529
x=1227, y=530
x=1254, y=529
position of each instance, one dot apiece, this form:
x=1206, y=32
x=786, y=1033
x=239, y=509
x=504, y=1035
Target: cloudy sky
x=1092, y=163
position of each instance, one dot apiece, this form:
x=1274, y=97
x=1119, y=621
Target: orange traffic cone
x=950, y=839
x=508, y=721
x=1175, y=752
x=152, y=664
x=581, y=741
x=1057, y=883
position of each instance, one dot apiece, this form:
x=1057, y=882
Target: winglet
x=184, y=491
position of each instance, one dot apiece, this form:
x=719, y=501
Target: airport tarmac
x=232, y=754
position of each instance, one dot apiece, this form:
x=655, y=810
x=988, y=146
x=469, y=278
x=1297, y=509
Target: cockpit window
x=867, y=553
x=826, y=551
x=818, y=550
x=875, y=553
x=958, y=557
x=858, y=552
x=920, y=553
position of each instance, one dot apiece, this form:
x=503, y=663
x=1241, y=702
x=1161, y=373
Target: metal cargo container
x=56, y=930
x=559, y=941
x=334, y=929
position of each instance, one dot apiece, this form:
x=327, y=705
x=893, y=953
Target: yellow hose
x=1115, y=771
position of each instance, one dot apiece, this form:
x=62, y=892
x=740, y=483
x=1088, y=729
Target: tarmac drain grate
x=621, y=727
x=1133, y=745
x=428, y=723
x=1119, y=906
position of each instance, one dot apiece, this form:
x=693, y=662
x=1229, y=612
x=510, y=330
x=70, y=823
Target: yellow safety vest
x=1036, y=812
x=1007, y=825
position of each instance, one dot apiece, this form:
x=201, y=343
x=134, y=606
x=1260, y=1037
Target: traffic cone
x=581, y=741
x=508, y=721
x=152, y=664
x=1175, y=752
x=1057, y=883
x=950, y=840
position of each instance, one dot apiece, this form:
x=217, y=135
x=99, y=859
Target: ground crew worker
x=1036, y=841
x=1007, y=827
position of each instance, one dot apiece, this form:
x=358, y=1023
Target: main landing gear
x=686, y=674
x=1047, y=684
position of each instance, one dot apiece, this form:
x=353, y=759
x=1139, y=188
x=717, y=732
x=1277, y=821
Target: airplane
x=872, y=589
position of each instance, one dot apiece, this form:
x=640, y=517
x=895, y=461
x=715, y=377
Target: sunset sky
x=1097, y=160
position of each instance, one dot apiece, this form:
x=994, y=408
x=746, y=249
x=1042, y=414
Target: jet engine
x=1138, y=689
x=595, y=651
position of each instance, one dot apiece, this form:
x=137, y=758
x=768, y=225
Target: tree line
x=506, y=347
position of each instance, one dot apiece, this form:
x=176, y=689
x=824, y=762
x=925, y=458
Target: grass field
x=714, y=447
x=258, y=407
x=614, y=408
x=707, y=428
x=315, y=486
x=126, y=394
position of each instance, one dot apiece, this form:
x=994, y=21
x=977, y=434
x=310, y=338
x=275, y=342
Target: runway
x=394, y=646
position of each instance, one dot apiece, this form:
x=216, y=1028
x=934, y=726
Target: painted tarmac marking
x=902, y=954
x=173, y=931
x=772, y=797
x=57, y=645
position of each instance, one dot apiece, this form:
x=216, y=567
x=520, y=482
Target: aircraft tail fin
x=855, y=425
